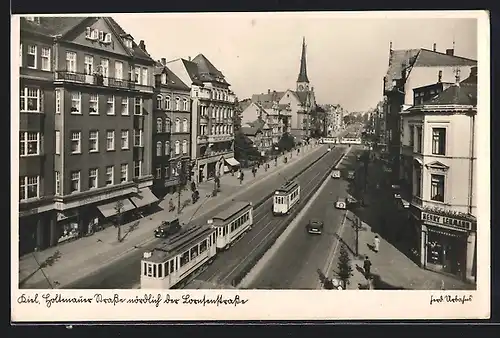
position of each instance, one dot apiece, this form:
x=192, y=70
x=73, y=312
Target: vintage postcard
x=250, y=166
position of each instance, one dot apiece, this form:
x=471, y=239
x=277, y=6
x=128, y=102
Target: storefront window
x=446, y=252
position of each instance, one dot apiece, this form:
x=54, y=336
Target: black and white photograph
x=247, y=165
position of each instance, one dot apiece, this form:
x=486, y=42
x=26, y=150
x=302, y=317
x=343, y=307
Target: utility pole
x=180, y=167
x=357, y=228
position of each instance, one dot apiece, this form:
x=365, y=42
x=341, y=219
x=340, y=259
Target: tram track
x=231, y=266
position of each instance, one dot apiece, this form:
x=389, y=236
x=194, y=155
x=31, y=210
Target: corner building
x=86, y=94
x=213, y=104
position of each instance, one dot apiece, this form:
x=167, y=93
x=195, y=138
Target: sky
x=347, y=54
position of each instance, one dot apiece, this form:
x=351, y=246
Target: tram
x=285, y=198
x=232, y=223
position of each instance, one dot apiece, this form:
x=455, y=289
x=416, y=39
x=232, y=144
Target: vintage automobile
x=167, y=228
x=335, y=173
x=351, y=174
x=341, y=203
x=315, y=226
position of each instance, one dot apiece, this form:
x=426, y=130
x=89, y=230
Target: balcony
x=93, y=80
x=220, y=138
x=138, y=121
x=202, y=139
x=205, y=95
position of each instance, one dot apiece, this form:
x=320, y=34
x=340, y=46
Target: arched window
x=168, y=125
x=158, y=148
x=159, y=100
x=184, y=147
x=159, y=125
x=167, y=148
x=185, y=125
x=177, y=103
x=167, y=103
x=177, y=147
x=213, y=130
x=185, y=105
x=177, y=125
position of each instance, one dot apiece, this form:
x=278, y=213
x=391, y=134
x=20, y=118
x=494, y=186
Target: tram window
x=213, y=239
x=160, y=270
x=194, y=252
x=150, y=270
x=172, y=266
x=185, y=258
x=203, y=246
x=165, y=268
x=145, y=269
x=154, y=270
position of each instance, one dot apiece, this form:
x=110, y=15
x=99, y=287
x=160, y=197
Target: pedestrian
x=367, y=264
x=241, y=177
x=376, y=243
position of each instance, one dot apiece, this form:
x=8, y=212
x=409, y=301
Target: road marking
x=254, y=272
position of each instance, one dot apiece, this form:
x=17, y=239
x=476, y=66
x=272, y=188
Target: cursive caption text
x=157, y=300
x=450, y=299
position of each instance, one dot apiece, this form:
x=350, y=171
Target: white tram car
x=285, y=198
x=191, y=249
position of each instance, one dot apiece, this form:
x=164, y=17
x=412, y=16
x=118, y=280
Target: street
x=295, y=263
x=124, y=273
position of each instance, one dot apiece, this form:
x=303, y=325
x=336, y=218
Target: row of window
x=285, y=199
x=159, y=125
x=29, y=186
x=217, y=112
x=438, y=140
x=159, y=150
x=76, y=140
x=30, y=100
x=169, y=171
x=237, y=223
x=437, y=185
x=216, y=130
x=166, y=104
x=215, y=94
x=139, y=75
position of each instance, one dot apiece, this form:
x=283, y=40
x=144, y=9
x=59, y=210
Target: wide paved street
x=295, y=263
x=124, y=273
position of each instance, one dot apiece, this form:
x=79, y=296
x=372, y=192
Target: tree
x=244, y=149
x=318, y=122
x=286, y=142
x=237, y=115
x=344, y=266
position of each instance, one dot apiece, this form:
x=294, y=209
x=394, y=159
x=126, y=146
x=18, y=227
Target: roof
x=207, y=71
x=244, y=104
x=249, y=131
x=302, y=96
x=269, y=97
x=232, y=210
x=421, y=57
x=173, y=81
x=51, y=26
x=303, y=64
x=288, y=186
x=192, y=70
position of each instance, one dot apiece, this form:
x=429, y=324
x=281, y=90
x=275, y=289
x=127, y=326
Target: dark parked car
x=168, y=228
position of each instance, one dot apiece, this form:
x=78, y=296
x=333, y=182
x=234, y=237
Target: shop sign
x=446, y=221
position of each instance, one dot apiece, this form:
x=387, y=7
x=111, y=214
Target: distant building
x=259, y=133
x=410, y=69
x=213, y=106
x=440, y=150
x=86, y=103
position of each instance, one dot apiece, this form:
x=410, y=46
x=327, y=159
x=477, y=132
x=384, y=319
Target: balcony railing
x=96, y=80
x=220, y=138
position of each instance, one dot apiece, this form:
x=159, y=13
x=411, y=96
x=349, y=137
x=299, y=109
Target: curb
x=120, y=256
x=245, y=269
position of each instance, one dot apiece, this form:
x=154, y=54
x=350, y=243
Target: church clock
x=301, y=87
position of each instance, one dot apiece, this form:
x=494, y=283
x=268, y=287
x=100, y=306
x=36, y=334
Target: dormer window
x=128, y=43
x=164, y=78
x=107, y=38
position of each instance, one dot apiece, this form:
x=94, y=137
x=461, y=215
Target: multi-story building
x=410, y=69
x=172, y=134
x=440, y=145
x=213, y=105
x=84, y=127
x=259, y=132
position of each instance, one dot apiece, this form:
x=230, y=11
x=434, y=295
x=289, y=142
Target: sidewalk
x=391, y=268
x=88, y=254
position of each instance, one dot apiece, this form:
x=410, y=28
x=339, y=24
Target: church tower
x=303, y=81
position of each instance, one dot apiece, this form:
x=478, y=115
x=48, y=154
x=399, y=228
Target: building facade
x=440, y=156
x=212, y=109
x=172, y=132
x=260, y=135
x=85, y=95
x=276, y=116
x=410, y=69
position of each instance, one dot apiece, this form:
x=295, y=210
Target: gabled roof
x=207, y=71
x=137, y=51
x=244, y=104
x=421, y=57
x=192, y=70
x=249, y=131
x=302, y=96
x=269, y=97
x=173, y=81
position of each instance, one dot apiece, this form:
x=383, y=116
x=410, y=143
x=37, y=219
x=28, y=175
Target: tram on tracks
x=182, y=256
x=285, y=198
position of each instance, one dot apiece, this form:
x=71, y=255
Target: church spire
x=303, y=65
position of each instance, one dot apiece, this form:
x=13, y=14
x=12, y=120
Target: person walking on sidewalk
x=241, y=177
x=367, y=264
x=376, y=243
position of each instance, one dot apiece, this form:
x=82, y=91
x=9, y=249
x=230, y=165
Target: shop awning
x=110, y=209
x=143, y=198
x=232, y=162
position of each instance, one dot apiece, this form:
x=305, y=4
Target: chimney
x=440, y=76
x=434, y=47
x=390, y=46
x=163, y=61
x=457, y=76
x=269, y=91
x=189, y=58
x=142, y=45
x=450, y=51
x=473, y=71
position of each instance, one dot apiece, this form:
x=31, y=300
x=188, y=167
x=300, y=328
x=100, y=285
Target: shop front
x=144, y=201
x=447, y=243
x=231, y=164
